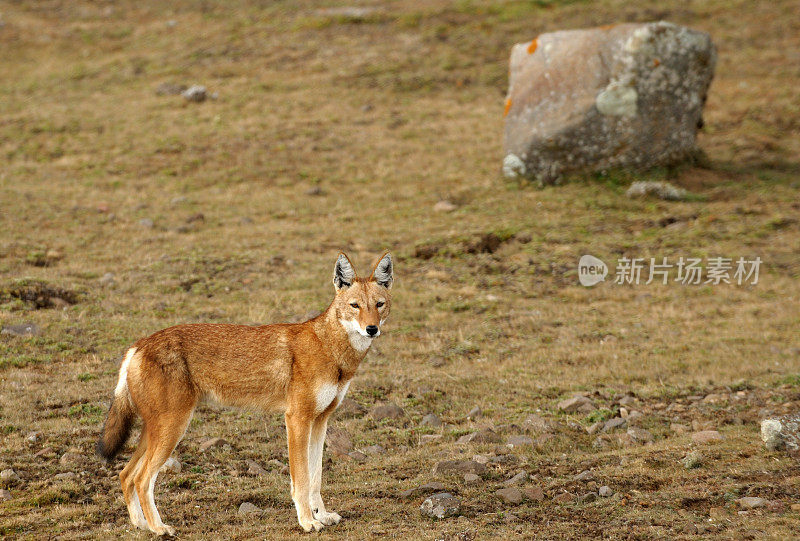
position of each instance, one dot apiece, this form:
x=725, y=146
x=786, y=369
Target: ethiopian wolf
x=302, y=370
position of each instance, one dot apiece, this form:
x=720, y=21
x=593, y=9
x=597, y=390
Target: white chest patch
x=358, y=338
x=325, y=395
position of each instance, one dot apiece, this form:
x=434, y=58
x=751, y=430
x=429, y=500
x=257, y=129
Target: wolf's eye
x=354, y=304
x=380, y=304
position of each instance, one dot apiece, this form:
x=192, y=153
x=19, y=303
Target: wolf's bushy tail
x=120, y=418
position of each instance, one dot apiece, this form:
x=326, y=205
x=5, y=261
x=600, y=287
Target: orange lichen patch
x=508, y=106
x=656, y=62
x=607, y=26
x=532, y=46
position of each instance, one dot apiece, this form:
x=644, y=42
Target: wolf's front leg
x=318, y=431
x=298, y=431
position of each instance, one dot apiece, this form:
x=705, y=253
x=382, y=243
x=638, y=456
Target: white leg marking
x=136, y=513
x=315, y=471
x=122, y=383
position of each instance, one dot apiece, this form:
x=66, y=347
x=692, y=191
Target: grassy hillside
x=125, y=209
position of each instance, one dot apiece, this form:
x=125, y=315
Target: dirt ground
x=125, y=209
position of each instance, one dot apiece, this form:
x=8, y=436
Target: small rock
x=441, y=505
x=45, y=452
x=536, y=424
x=484, y=435
x=70, y=457
x=338, y=441
x=534, y=493
x=147, y=223
x=255, y=469
x=471, y=478
x=605, y=492
x=564, y=497
x=315, y=190
x=350, y=408
x=388, y=410
x=517, y=479
x=510, y=495
x=510, y=517
x=248, y=508
x=107, y=279
x=213, y=442
x=444, y=206
x=518, y=441
x=640, y=435
x=34, y=437
x=474, y=413
x=751, y=502
x=585, y=475
x=795, y=507
x=195, y=93
x=679, y=428
x=616, y=422
x=627, y=401
x=427, y=488
x=197, y=217
x=623, y=412
x=9, y=477
x=706, y=436
x=634, y=417
x=771, y=434
x=358, y=456
x=5, y=495
x=594, y=428
x=374, y=450
x=26, y=329
x=577, y=404
x=431, y=420
x=480, y=459
x=67, y=476
x=659, y=189
x=589, y=497
x=693, y=459
x=172, y=465
x=459, y=466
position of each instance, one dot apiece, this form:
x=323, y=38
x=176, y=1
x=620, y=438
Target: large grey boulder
x=782, y=433
x=628, y=95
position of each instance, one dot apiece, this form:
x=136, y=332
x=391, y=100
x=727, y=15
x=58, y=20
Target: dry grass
x=384, y=115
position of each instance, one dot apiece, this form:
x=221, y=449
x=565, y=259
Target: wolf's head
x=362, y=304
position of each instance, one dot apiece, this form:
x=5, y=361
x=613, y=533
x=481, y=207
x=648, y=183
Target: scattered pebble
x=662, y=190
x=172, y=465
x=67, y=476
x=679, y=428
x=588, y=497
x=431, y=419
x=616, y=422
x=358, y=456
x=444, y=206
x=147, y=223
x=605, y=492
x=534, y=493
x=70, y=457
x=577, y=404
x=510, y=495
x=693, y=459
x=471, y=478
x=107, y=279
x=338, y=441
x=484, y=435
x=594, y=428
x=640, y=435
x=535, y=423
x=387, y=410
x=195, y=93
x=213, y=442
x=427, y=488
x=751, y=502
x=374, y=450
x=25, y=329
x=429, y=438
x=706, y=436
x=517, y=479
x=475, y=413
x=248, y=508
x=459, y=466
x=585, y=475
x=441, y=505
x=480, y=459
x=564, y=497
x=34, y=437
x=9, y=477
x=518, y=441
x=255, y=469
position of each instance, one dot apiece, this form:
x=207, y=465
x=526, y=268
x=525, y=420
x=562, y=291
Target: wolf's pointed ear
x=383, y=273
x=343, y=272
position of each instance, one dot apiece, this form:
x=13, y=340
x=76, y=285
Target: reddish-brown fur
x=284, y=367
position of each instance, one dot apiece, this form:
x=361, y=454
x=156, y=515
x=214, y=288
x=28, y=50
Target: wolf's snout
x=372, y=330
